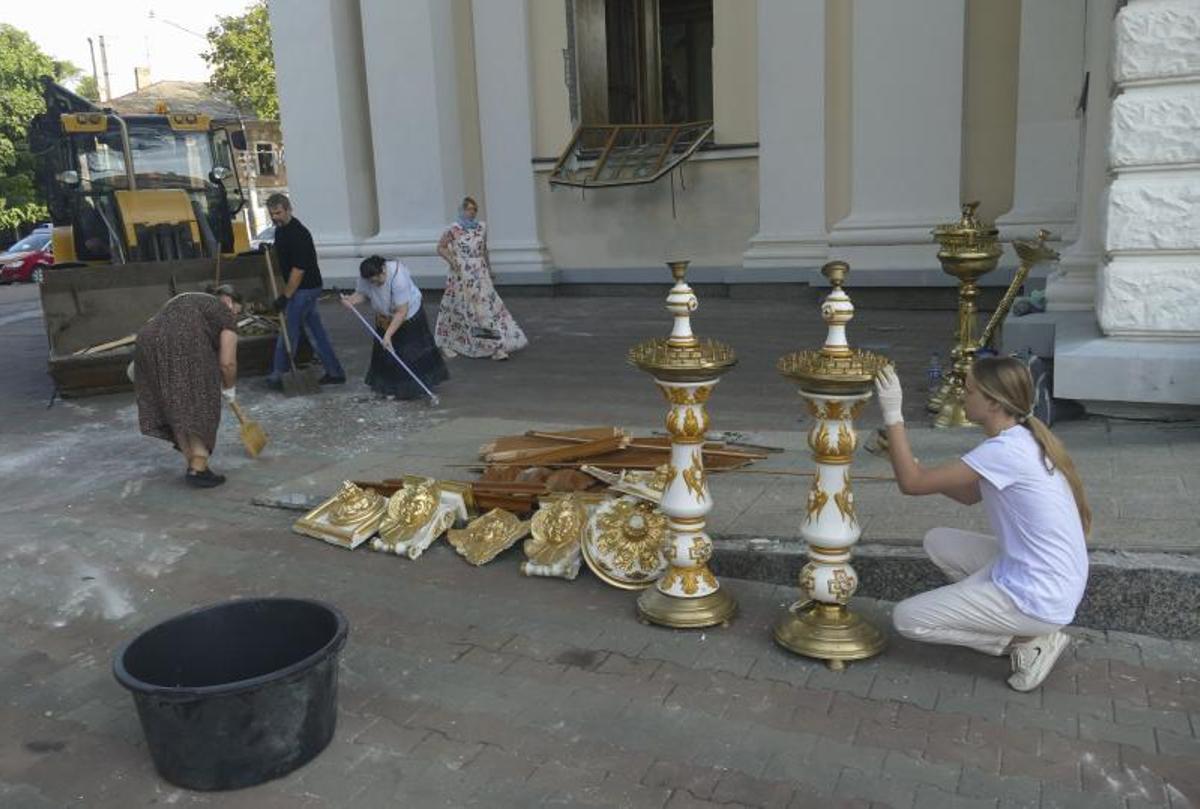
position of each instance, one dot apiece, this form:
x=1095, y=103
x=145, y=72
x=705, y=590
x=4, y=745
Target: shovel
x=254, y=437
x=294, y=382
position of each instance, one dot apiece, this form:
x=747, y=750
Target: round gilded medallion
x=623, y=543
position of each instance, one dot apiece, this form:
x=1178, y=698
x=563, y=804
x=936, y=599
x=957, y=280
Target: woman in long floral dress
x=472, y=320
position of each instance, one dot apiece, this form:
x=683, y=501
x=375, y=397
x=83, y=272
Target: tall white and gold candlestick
x=686, y=369
x=835, y=382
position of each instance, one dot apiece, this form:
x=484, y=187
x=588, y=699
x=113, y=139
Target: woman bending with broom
x=185, y=362
x=400, y=319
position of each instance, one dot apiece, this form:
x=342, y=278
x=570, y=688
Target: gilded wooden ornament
x=695, y=424
x=818, y=439
x=624, y=544
x=841, y=585
x=845, y=500
x=689, y=579
x=845, y=442
x=701, y=550
x=408, y=510
x=556, y=531
x=694, y=477
x=817, y=498
x=807, y=581
x=484, y=538
x=684, y=396
x=352, y=505
x=346, y=519
x=835, y=410
x=647, y=485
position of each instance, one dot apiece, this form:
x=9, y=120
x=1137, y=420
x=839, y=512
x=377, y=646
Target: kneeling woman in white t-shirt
x=1011, y=593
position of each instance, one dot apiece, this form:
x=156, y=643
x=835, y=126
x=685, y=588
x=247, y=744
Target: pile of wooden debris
x=516, y=470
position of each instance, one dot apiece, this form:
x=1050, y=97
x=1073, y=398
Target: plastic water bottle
x=935, y=370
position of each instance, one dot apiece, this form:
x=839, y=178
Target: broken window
x=628, y=154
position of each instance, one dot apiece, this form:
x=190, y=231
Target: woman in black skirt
x=399, y=318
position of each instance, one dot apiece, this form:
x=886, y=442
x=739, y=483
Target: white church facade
x=840, y=129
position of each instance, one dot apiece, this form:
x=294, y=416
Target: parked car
x=28, y=259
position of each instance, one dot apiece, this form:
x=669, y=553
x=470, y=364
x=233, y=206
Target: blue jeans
x=302, y=313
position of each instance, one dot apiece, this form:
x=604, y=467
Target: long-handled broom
x=254, y=437
x=295, y=383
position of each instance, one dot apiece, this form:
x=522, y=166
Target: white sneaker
x=449, y=353
x=1033, y=660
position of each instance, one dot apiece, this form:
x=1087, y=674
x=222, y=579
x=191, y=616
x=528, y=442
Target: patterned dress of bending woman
x=472, y=320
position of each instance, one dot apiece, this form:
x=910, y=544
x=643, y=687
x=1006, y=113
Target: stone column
x=1151, y=280
x=323, y=111
x=1072, y=287
x=906, y=150
x=791, y=139
x=410, y=59
x=1049, y=123
x=502, y=73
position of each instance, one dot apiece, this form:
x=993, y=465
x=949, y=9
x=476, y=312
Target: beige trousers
x=971, y=611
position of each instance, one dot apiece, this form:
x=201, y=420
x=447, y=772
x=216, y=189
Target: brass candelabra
x=968, y=250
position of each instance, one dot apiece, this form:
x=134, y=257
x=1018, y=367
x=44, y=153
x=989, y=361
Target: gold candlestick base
x=952, y=414
x=654, y=607
x=829, y=632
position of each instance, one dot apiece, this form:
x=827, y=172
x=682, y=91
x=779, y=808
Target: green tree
x=242, y=61
x=88, y=88
x=21, y=64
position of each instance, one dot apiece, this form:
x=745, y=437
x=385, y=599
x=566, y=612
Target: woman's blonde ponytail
x=1006, y=381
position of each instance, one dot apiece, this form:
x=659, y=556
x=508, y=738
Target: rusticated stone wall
x=1150, y=284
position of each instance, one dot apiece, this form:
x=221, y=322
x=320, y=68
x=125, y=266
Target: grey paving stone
x=1020, y=717
x=876, y=788
x=1096, y=707
x=1015, y=790
x=682, y=799
x=1103, y=730
x=1172, y=721
x=1176, y=744
x=736, y=787
x=698, y=782
x=1059, y=797
x=931, y=797
x=908, y=768
x=918, y=688
x=855, y=679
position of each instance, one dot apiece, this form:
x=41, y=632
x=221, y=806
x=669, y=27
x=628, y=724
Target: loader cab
x=144, y=187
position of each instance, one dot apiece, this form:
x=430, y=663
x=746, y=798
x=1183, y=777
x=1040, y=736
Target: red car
x=28, y=259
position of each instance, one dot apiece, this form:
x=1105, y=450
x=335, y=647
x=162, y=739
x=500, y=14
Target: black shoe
x=331, y=380
x=275, y=384
x=204, y=480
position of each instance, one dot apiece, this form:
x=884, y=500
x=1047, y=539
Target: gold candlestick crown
x=835, y=367
x=968, y=245
x=682, y=356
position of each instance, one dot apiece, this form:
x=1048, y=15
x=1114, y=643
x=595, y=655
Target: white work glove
x=891, y=397
x=229, y=394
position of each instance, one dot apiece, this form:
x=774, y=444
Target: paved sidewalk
x=465, y=686
x=478, y=687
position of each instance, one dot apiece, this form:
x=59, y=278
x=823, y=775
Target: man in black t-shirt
x=302, y=287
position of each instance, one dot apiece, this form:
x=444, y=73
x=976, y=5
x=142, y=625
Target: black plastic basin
x=238, y=693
